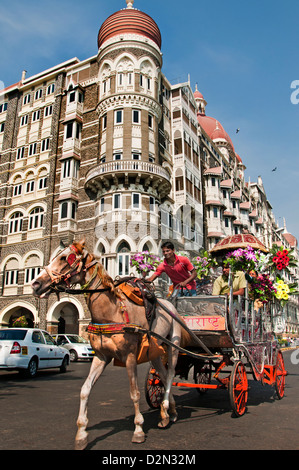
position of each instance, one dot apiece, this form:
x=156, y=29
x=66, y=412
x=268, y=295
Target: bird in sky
x=237, y=130
x=274, y=169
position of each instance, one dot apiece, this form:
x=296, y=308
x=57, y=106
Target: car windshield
x=13, y=334
x=76, y=339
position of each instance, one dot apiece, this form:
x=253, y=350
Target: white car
x=78, y=347
x=30, y=349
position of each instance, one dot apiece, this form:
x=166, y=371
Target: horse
x=108, y=306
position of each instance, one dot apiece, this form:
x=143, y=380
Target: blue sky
x=242, y=55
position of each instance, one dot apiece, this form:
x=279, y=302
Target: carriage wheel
x=202, y=375
x=280, y=374
x=238, y=388
x=154, y=389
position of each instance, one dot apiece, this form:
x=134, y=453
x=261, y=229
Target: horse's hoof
x=138, y=437
x=173, y=417
x=163, y=423
x=81, y=444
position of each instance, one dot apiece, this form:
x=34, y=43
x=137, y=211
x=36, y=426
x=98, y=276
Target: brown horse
x=108, y=306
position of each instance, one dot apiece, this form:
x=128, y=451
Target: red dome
x=198, y=95
x=129, y=21
x=213, y=128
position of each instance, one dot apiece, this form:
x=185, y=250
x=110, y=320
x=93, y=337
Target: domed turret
x=129, y=21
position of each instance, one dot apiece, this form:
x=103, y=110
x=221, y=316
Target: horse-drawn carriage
x=233, y=338
x=222, y=333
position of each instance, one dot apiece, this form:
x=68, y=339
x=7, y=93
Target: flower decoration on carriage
x=261, y=288
x=284, y=290
x=262, y=262
x=144, y=262
x=203, y=263
x=242, y=259
x=281, y=259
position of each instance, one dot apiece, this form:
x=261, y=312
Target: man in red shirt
x=179, y=269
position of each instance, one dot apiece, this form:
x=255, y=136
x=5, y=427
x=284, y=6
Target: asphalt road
x=41, y=413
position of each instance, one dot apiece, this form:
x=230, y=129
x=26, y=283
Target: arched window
x=36, y=218
x=123, y=259
x=15, y=223
x=11, y=273
x=32, y=268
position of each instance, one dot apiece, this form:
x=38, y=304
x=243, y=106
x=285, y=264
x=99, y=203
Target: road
x=41, y=413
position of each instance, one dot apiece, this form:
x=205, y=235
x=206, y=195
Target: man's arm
x=190, y=278
x=153, y=277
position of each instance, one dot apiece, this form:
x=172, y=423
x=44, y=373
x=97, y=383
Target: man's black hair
x=168, y=244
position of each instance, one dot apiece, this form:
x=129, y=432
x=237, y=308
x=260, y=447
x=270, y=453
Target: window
x=51, y=89
x=48, y=111
x=123, y=259
x=38, y=94
x=36, y=116
x=24, y=120
x=150, y=121
x=136, y=157
x=32, y=149
x=116, y=201
x=68, y=210
x=63, y=211
x=29, y=187
x=20, y=153
x=43, y=183
x=215, y=211
x=226, y=222
x=72, y=97
x=26, y=99
x=120, y=79
x=11, y=277
x=136, y=201
x=2, y=126
x=70, y=168
x=69, y=130
x=15, y=223
x=31, y=273
x=213, y=181
x=37, y=337
x=136, y=116
x=102, y=205
x=17, y=190
x=3, y=107
x=106, y=85
x=73, y=129
x=149, y=83
x=118, y=116
x=141, y=80
x=45, y=145
x=104, y=121
x=152, y=204
x=117, y=157
x=36, y=218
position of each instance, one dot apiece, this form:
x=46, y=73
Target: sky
x=243, y=56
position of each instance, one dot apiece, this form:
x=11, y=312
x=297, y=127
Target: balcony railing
x=127, y=166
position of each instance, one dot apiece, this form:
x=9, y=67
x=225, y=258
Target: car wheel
x=64, y=364
x=73, y=355
x=31, y=370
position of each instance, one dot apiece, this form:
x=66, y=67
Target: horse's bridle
x=75, y=263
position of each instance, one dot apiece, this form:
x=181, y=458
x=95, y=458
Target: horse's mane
x=106, y=280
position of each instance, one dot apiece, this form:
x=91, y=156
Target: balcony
x=99, y=179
